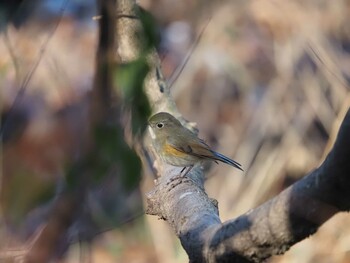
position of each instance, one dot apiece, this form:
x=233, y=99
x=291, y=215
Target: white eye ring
x=160, y=125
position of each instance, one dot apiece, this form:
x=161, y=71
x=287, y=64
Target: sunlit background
x=266, y=82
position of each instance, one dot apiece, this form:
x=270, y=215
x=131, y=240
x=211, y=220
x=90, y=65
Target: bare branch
x=268, y=230
x=129, y=34
x=31, y=72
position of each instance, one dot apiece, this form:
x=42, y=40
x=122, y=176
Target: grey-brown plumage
x=178, y=146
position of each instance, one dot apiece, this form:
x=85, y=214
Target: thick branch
x=66, y=208
x=130, y=34
x=268, y=230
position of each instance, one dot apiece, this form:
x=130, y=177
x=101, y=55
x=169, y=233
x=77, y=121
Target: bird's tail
x=222, y=158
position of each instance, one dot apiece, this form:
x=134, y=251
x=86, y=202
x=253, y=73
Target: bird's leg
x=187, y=171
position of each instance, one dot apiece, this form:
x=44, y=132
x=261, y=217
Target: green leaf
x=129, y=80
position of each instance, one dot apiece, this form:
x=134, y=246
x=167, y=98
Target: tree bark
x=267, y=230
x=270, y=229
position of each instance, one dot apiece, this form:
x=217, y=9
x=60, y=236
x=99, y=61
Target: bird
x=178, y=146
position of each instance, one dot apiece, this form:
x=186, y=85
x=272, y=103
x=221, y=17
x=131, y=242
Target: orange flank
x=170, y=150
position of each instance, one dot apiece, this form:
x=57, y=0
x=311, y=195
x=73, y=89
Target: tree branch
x=130, y=34
x=267, y=230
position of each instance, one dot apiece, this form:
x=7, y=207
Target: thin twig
x=31, y=72
x=175, y=75
x=317, y=54
x=21, y=252
x=13, y=56
x=19, y=95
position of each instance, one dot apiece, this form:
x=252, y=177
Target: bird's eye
x=160, y=125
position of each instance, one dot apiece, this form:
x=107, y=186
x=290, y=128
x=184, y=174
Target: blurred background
x=266, y=82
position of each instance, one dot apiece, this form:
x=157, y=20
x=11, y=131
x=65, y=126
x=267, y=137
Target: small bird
x=178, y=146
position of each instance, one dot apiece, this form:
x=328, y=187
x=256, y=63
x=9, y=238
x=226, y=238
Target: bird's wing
x=199, y=148
x=194, y=146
